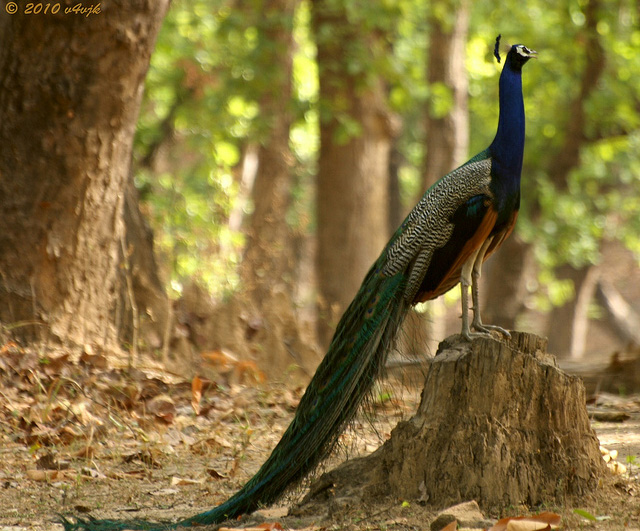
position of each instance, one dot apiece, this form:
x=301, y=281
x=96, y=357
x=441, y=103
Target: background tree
x=251, y=121
x=447, y=117
x=385, y=62
x=568, y=330
x=266, y=266
x=71, y=90
x=267, y=271
x=355, y=139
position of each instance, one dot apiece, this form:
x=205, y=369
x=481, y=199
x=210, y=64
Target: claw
x=487, y=329
x=469, y=335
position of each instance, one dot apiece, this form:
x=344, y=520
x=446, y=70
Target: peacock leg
x=464, y=296
x=475, y=294
x=467, y=278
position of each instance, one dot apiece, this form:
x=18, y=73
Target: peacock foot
x=470, y=336
x=487, y=329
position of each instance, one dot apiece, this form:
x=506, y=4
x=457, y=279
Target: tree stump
x=498, y=423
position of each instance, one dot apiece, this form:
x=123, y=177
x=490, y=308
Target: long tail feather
x=343, y=379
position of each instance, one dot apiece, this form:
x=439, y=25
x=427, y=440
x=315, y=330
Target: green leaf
x=585, y=514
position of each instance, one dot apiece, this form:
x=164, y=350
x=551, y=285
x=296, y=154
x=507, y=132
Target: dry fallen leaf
x=617, y=468
x=163, y=407
x=542, y=521
x=261, y=527
x=8, y=346
x=451, y=526
x=215, y=474
x=165, y=492
x=145, y=456
x=86, y=451
x=196, y=394
x=42, y=475
x=175, y=480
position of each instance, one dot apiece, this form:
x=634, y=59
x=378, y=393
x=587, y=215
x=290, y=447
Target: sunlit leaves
x=201, y=111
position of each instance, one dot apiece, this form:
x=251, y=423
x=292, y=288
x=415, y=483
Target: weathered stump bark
x=498, y=422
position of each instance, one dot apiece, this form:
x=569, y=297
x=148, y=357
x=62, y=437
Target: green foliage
x=202, y=112
x=194, y=121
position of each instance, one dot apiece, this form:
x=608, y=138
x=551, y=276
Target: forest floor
x=78, y=437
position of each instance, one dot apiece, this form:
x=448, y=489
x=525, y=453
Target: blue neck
x=508, y=146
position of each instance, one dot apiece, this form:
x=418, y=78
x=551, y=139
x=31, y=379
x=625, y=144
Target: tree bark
x=260, y=323
x=624, y=319
x=568, y=156
x=397, y=211
x=70, y=93
x=140, y=284
x=355, y=137
x=268, y=269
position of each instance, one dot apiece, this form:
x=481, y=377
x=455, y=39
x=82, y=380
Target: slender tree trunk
x=396, y=210
x=568, y=323
x=504, y=288
x=570, y=339
x=153, y=323
x=69, y=99
x=568, y=156
x=259, y=323
x=355, y=137
x=145, y=306
x=622, y=316
x=447, y=135
x=268, y=268
x=267, y=260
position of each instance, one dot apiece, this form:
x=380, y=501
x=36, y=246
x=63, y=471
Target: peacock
x=461, y=220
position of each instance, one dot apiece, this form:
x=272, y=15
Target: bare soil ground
x=77, y=437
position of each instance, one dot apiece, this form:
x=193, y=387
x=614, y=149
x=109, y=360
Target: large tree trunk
x=71, y=89
x=355, y=137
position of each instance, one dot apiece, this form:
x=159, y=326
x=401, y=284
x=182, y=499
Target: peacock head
x=518, y=55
